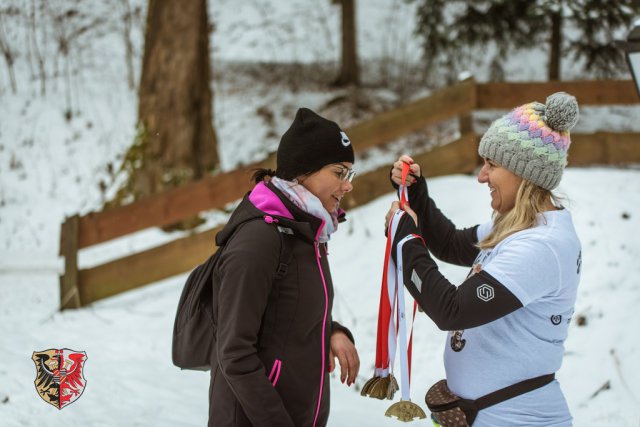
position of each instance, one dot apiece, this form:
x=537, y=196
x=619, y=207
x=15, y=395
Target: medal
x=405, y=410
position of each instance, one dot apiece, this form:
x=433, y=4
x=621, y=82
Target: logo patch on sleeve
x=285, y=230
x=556, y=319
x=416, y=281
x=485, y=292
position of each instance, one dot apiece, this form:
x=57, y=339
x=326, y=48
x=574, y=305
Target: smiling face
x=503, y=185
x=328, y=185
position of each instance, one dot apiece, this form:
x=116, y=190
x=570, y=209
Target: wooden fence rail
x=79, y=287
x=441, y=105
x=604, y=148
x=510, y=95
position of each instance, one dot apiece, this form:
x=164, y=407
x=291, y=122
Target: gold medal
x=366, y=388
x=405, y=411
x=393, y=387
x=379, y=389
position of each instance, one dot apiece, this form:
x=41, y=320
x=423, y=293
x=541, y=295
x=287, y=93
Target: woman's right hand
x=396, y=172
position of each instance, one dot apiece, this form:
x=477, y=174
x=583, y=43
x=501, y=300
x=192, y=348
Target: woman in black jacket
x=276, y=340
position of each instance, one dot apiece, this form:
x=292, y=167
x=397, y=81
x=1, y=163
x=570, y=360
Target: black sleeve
x=478, y=300
x=335, y=326
x=441, y=235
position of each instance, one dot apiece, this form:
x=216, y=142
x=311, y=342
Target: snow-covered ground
x=52, y=166
x=131, y=381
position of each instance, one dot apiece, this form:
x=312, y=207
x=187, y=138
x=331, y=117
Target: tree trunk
x=176, y=142
x=127, y=23
x=8, y=55
x=349, y=72
x=555, y=45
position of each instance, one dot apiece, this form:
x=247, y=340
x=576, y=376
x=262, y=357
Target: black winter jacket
x=271, y=355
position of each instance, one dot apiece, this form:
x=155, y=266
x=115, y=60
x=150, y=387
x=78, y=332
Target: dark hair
x=260, y=173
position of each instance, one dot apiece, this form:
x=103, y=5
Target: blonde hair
x=531, y=200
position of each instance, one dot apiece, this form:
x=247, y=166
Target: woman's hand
x=345, y=351
x=392, y=211
x=396, y=172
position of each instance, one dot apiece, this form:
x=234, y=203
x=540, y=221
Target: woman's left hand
x=345, y=351
x=392, y=211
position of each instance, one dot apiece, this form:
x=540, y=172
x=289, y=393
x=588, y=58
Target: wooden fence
x=79, y=287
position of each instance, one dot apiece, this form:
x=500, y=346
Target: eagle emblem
x=59, y=375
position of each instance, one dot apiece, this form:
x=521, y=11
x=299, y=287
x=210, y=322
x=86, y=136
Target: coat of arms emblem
x=59, y=375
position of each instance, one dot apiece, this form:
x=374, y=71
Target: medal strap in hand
x=404, y=410
x=383, y=385
x=402, y=189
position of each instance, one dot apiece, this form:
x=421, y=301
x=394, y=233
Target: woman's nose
x=347, y=186
x=483, y=175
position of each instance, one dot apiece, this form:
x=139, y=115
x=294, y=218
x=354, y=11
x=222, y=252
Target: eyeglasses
x=345, y=174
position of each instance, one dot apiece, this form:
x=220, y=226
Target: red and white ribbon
x=391, y=314
x=392, y=291
x=386, y=338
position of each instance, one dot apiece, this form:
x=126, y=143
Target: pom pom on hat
x=532, y=141
x=561, y=111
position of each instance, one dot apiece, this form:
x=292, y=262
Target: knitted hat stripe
x=528, y=120
x=526, y=140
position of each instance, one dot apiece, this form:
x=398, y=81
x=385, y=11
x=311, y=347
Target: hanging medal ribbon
x=404, y=199
x=383, y=384
x=404, y=410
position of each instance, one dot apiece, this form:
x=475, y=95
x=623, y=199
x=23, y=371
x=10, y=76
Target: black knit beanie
x=310, y=143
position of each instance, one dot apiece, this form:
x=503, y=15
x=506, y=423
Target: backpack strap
x=286, y=251
x=286, y=234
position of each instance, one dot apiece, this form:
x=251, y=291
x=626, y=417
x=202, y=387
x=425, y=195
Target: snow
x=131, y=381
x=51, y=167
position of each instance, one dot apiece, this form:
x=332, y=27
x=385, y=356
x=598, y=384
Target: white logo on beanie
x=345, y=139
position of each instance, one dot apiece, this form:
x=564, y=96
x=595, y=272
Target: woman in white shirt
x=509, y=319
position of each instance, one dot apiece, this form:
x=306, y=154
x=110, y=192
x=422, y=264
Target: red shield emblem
x=59, y=375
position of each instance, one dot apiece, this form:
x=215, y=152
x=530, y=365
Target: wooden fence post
x=465, y=123
x=465, y=120
x=69, y=233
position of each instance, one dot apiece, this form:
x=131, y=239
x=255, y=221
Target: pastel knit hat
x=532, y=141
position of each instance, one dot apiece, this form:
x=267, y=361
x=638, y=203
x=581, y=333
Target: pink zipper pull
x=269, y=219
